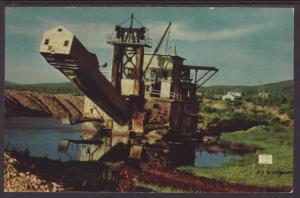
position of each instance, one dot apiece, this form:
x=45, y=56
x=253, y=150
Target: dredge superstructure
x=146, y=93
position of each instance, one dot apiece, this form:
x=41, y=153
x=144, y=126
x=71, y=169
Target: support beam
x=202, y=77
x=207, y=79
x=196, y=67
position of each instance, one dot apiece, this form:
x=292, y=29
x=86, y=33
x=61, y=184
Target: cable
x=125, y=21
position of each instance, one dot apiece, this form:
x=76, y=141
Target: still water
x=204, y=158
x=42, y=135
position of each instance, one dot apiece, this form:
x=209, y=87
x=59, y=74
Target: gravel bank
x=18, y=181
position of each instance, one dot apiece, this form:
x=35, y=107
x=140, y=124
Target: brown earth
x=179, y=180
x=26, y=103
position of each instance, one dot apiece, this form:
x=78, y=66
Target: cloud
x=92, y=35
x=23, y=30
x=182, y=32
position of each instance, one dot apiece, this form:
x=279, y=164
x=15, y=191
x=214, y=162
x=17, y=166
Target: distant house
x=232, y=96
x=228, y=97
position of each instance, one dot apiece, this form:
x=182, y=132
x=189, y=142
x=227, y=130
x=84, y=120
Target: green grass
x=276, y=140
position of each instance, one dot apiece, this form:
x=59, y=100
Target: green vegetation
x=49, y=88
x=282, y=94
x=215, y=111
x=276, y=140
x=275, y=137
x=230, y=113
x=284, y=88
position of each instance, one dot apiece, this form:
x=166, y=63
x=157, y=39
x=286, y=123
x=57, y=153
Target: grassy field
x=276, y=140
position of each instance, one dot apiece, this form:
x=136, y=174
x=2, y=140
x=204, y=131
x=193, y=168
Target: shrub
x=207, y=109
x=281, y=110
x=249, y=99
x=237, y=103
x=239, y=115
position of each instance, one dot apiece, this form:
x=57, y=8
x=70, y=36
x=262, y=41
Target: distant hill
x=9, y=84
x=283, y=88
x=51, y=88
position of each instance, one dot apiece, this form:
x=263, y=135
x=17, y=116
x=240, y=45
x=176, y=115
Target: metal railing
x=156, y=94
x=113, y=38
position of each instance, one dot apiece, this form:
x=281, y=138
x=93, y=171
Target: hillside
x=50, y=88
x=285, y=88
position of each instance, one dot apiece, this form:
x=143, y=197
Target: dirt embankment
x=26, y=103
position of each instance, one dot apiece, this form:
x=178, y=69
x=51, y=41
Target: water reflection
x=96, y=152
x=42, y=135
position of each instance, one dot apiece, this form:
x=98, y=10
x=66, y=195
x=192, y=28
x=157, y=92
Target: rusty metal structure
x=148, y=93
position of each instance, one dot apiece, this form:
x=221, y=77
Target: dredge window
x=46, y=42
x=66, y=43
x=165, y=74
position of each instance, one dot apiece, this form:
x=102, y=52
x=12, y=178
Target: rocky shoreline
x=24, y=173
x=25, y=181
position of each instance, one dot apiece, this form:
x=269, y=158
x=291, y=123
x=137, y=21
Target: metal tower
x=129, y=43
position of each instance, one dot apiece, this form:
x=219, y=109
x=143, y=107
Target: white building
x=232, y=96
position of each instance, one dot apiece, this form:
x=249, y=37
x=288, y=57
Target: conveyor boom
x=65, y=52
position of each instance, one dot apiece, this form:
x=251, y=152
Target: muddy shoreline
x=231, y=148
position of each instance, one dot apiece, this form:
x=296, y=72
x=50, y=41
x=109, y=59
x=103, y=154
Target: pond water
x=204, y=158
x=42, y=135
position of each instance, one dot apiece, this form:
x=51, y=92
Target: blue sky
x=248, y=45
